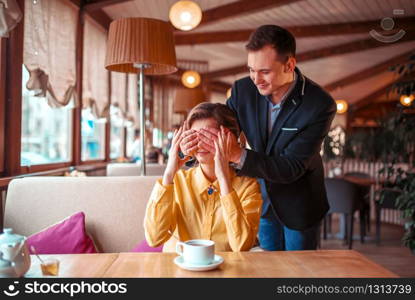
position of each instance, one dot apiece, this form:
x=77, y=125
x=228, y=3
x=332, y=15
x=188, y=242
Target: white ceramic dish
x=217, y=261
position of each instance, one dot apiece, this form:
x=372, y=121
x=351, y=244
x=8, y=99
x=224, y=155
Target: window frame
x=2, y=102
x=11, y=57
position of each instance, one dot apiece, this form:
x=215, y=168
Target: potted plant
x=397, y=138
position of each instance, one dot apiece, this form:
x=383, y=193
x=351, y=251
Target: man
x=285, y=117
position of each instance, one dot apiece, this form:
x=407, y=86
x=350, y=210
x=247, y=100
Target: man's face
x=267, y=70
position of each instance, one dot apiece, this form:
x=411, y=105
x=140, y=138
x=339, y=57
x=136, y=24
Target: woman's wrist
x=168, y=178
x=225, y=186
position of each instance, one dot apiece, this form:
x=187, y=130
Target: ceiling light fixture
x=185, y=15
x=406, y=100
x=341, y=106
x=191, y=79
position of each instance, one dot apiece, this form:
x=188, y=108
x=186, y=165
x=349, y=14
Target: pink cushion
x=144, y=247
x=67, y=237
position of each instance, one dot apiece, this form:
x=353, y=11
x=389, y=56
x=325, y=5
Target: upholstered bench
x=133, y=169
x=114, y=207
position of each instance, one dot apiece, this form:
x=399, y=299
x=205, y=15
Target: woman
x=207, y=201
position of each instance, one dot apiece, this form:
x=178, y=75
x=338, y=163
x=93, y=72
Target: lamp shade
x=185, y=99
x=141, y=41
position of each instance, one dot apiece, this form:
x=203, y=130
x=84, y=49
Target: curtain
x=10, y=16
x=164, y=90
x=95, y=79
x=119, y=91
x=49, y=49
x=132, y=103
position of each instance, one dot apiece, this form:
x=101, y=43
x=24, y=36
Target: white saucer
x=217, y=261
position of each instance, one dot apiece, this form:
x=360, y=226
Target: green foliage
x=397, y=140
x=392, y=142
x=406, y=85
x=404, y=182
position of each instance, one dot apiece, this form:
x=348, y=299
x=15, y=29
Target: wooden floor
x=391, y=253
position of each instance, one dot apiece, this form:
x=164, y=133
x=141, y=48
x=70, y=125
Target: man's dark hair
x=277, y=37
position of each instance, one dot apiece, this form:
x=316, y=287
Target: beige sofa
x=114, y=206
x=133, y=169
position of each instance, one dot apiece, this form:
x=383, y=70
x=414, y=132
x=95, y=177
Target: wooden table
x=320, y=263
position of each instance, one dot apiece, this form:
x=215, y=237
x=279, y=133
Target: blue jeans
x=274, y=236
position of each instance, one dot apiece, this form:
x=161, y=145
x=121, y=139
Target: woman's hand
x=188, y=144
x=174, y=162
x=207, y=135
x=222, y=158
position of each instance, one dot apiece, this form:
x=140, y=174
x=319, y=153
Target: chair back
x=114, y=207
x=342, y=195
x=134, y=169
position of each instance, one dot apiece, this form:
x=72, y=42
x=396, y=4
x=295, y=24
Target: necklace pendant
x=210, y=190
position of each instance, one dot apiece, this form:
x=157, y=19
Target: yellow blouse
x=186, y=209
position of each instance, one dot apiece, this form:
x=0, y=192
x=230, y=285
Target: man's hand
x=206, y=141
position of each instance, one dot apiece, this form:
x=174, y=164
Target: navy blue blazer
x=288, y=164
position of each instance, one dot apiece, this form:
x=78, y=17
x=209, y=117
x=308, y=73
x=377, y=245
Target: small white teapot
x=13, y=248
x=6, y=268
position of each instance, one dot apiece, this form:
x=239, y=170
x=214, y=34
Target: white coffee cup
x=197, y=252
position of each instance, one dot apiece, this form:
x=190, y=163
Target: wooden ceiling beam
x=367, y=100
x=98, y=14
x=227, y=72
x=361, y=75
x=77, y=2
x=360, y=45
x=93, y=5
x=182, y=38
x=101, y=18
x=211, y=37
x=376, y=109
x=219, y=86
x=355, y=46
x=239, y=8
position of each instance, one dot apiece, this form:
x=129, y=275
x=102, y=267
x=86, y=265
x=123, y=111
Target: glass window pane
x=46, y=131
x=93, y=136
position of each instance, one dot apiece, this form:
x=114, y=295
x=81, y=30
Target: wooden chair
x=343, y=198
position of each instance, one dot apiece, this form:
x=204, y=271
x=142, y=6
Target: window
x=117, y=133
x=46, y=131
x=133, y=143
x=157, y=138
x=93, y=136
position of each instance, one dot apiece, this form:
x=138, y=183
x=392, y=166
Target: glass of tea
x=50, y=267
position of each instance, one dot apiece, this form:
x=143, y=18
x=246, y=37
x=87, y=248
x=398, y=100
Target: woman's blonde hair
x=221, y=113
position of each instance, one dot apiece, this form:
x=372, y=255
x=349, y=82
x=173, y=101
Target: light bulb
x=190, y=80
x=185, y=17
